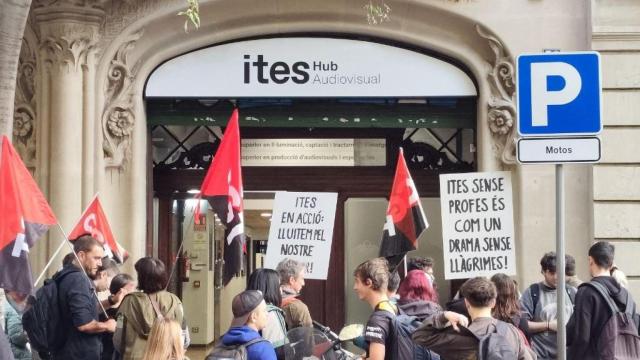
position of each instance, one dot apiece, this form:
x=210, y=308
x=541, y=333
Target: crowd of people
x=105, y=314
x=489, y=316
x=140, y=319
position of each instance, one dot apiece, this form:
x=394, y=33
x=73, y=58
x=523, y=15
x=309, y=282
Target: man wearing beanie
x=250, y=316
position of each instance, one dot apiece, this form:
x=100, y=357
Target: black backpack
x=232, y=352
x=535, y=295
x=402, y=346
x=494, y=345
x=42, y=320
x=619, y=338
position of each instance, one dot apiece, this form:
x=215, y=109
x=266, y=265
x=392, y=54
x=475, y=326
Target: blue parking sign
x=559, y=94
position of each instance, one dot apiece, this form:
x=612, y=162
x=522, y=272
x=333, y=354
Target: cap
x=243, y=304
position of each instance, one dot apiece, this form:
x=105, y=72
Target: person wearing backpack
x=78, y=305
x=243, y=341
x=418, y=299
x=268, y=282
x=371, y=280
x=604, y=324
x=392, y=295
x=296, y=312
x=539, y=306
x=485, y=338
x=140, y=309
x=508, y=308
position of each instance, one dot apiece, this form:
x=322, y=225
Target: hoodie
x=590, y=315
x=262, y=350
x=419, y=308
x=135, y=319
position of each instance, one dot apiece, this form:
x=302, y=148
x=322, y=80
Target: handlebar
x=320, y=327
x=335, y=339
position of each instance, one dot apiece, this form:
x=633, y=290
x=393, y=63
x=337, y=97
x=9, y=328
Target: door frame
x=325, y=298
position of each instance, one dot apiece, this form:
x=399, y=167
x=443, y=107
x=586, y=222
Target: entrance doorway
x=182, y=152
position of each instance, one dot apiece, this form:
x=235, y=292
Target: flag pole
x=174, y=265
x=175, y=261
x=66, y=240
x=53, y=257
x=405, y=265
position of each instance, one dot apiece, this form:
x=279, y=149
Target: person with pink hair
x=417, y=296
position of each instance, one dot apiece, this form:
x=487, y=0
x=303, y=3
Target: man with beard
x=78, y=303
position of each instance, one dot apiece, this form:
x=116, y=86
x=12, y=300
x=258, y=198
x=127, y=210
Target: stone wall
x=616, y=180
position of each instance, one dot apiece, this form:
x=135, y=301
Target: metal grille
x=180, y=147
x=184, y=147
x=440, y=149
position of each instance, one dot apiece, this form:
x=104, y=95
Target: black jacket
x=79, y=307
x=589, y=317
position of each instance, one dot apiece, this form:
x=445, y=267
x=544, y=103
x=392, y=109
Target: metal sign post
x=561, y=288
x=559, y=124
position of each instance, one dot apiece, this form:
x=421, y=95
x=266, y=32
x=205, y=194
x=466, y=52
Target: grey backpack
x=495, y=346
x=232, y=352
x=619, y=338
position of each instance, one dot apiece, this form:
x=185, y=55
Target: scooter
x=319, y=342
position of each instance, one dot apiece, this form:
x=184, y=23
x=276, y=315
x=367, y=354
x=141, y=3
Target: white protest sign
x=477, y=224
x=302, y=229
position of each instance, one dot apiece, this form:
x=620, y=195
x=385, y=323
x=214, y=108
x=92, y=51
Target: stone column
x=68, y=34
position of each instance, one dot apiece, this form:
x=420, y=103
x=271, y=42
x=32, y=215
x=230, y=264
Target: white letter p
x=541, y=98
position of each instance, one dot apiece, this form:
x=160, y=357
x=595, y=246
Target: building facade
x=82, y=119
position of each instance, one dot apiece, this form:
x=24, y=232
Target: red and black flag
x=94, y=221
x=405, y=217
x=222, y=186
x=25, y=215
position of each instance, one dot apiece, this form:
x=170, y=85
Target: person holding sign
x=296, y=313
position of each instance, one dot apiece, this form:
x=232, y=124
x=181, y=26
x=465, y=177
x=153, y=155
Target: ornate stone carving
x=501, y=109
x=67, y=53
x=91, y=4
x=24, y=117
x=68, y=31
x=121, y=14
x=118, y=115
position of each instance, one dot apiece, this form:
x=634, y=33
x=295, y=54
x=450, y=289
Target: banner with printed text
x=302, y=229
x=477, y=224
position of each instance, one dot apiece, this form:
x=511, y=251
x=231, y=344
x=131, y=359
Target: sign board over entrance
x=307, y=67
x=302, y=229
x=477, y=224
